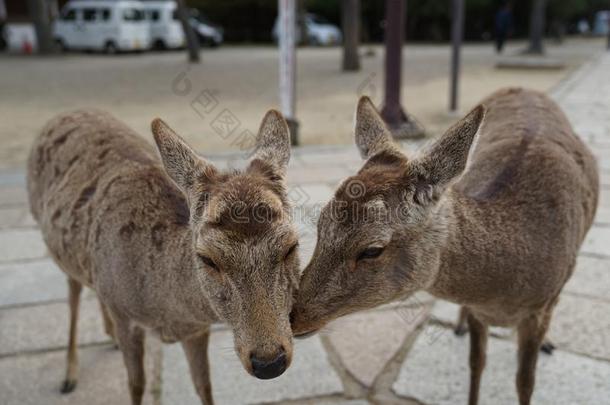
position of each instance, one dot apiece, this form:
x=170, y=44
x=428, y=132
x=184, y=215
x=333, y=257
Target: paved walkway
x=400, y=354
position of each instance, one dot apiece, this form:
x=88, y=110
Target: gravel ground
x=238, y=84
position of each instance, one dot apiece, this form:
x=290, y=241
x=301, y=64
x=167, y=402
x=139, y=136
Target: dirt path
x=218, y=105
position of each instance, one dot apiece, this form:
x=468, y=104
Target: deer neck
x=459, y=276
x=192, y=295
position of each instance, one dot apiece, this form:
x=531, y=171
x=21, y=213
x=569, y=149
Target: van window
x=105, y=14
x=153, y=15
x=133, y=14
x=89, y=14
x=69, y=15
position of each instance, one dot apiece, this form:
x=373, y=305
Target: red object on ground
x=27, y=47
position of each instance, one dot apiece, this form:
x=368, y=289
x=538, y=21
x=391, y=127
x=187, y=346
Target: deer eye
x=291, y=251
x=370, y=253
x=208, y=262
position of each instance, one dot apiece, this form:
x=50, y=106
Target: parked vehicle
x=319, y=31
x=208, y=32
x=165, y=29
x=602, y=23
x=21, y=37
x=102, y=25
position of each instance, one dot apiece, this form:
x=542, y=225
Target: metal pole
x=350, y=21
x=457, y=33
x=192, y=41
x=287, y=42
x=392, y=112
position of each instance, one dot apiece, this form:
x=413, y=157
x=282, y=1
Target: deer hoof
x=547, y=347
x=460, y=330
x=68, y=386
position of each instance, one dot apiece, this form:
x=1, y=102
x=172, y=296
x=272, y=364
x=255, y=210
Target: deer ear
x=371, y=133
x=273, y=143
x=181, y=163
x=447, y=158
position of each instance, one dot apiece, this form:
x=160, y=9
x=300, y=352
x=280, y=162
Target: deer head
x=379, y=238
x=243, y=243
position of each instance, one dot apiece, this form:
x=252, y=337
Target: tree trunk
x=537, y=23
x=350, y=20
x=54, y=9
x=41, y=17
x=192, y=40
x=302, y=27
x=287, y=31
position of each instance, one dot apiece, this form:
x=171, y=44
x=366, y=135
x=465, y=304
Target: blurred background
x=129, y=57
x=211, y=69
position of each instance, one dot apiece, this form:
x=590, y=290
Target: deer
x=491, y=216
x=169, y=243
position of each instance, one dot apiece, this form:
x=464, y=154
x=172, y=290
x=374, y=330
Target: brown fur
x=114, y=221
x=501, y=239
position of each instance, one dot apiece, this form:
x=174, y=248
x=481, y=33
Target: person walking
x=503, y=25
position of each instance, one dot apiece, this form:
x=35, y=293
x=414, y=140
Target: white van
x=102, y=25
x=165, y=28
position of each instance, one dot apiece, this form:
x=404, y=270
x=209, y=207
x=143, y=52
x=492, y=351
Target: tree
x=537, y=23
x=350, y=21
x=192, y=41
x=41, y=17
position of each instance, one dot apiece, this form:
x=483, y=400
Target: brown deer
x=493, y=222
x=170, y=245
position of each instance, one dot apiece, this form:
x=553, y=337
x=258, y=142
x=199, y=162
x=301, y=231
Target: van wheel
x=110, y=48
x=61, y=45
x=159, y=45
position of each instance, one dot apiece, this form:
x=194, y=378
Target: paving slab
x=367, y=341
x=16, y=217
x=310, y=375
x=15, y=177
x=439, y=374
x=597, y=241
x=338, y=156
x=44, y=327
x=13, y=195
x=330, y=401
x=311, y=194
x=36, y=379
x=448, y=312
x=582, y=325
x=21, y=244
x=602, y=217
x=32, y=282
x=329, y=175
x=306, y=229
x=591, y=278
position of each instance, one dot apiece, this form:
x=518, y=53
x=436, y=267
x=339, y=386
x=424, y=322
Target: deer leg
x=196, y=350
x=108, y=323
x=478, y=348
x=462, y=323
x=531, y=335
x=74, y=291
x=131, y=342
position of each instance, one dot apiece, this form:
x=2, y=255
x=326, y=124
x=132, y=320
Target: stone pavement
x=403, y=353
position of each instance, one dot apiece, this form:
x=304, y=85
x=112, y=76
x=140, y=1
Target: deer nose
x=265, y=369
